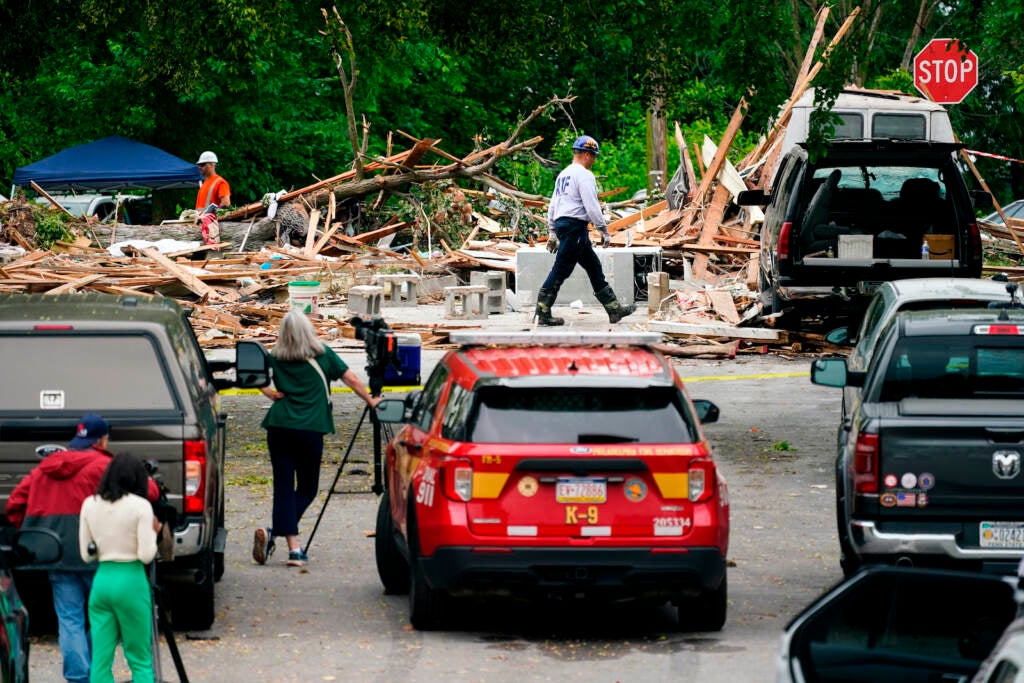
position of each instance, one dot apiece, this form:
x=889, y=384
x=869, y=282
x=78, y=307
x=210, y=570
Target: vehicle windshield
x=956, y=367
x=573, y=415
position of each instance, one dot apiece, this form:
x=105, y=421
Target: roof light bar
x=555, y=338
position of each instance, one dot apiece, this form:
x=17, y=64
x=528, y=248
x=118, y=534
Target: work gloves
x=606, y=239
x=552, y=242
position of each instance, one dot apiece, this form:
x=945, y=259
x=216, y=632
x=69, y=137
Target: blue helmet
x=585, y=143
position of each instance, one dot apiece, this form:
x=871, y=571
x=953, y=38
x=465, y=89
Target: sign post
x=944, y=71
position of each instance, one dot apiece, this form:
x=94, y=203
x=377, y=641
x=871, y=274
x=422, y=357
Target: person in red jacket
x=51, y=497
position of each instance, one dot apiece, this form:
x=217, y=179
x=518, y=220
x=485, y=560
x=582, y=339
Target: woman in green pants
x=117, y=527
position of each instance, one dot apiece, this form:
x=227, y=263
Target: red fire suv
x=553, y=463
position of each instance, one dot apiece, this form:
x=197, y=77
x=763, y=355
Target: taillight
x=974, y=242
x=782, y=250
x=865, y=464
x=701, y=478
x=195, y=476
x=458, y=480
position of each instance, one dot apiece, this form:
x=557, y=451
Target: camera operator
x=303, y=368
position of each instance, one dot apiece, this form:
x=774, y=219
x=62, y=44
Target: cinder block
x=494, y=281
x=399, y=289
x=465, y=303
x=365, y=300
x=534, y=263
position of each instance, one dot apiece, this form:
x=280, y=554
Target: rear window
x=888, y=180
x=82, y=373
x=573, y=415
x=956, y=367
x=898, y=126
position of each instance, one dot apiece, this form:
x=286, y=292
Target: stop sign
x=944, y=71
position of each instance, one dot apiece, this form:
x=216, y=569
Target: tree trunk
x=263, y=231
x=924, y=15
x=657, y=147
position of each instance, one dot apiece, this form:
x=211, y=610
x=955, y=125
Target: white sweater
x=122, y=529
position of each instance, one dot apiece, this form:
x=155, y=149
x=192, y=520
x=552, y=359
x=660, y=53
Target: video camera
x=381, y=349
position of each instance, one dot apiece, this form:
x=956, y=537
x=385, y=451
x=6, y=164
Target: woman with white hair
x=303, y=368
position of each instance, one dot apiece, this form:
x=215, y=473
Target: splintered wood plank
x=193, y=283
x=389, y=228
x=626, y=221
x=314, y=220
x=660, y=222
x=712, y=219
x=753, y=267
x=759, y=333
x=724, y=306
x=74, y=285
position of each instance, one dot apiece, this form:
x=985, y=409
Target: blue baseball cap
x=90, y=429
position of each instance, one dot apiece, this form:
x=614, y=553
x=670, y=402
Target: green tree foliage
x=253, y=80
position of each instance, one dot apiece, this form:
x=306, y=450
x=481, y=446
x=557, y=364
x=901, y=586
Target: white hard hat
x=206, y=158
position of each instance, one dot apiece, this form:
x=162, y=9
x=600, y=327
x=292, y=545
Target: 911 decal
x=425, y=491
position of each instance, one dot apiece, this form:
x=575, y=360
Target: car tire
x=426, y=604
x=192, y=605
x=707, y=612
x=392, y=567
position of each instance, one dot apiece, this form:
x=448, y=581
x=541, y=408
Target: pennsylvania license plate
x=572, y=490
x=1001, y=535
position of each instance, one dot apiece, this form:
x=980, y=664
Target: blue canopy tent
x=107, y=165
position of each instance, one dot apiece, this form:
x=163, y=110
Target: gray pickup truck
x=135, y=361
x=929, y=468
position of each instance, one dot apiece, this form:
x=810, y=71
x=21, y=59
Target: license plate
x=1001, y=535
x=581, y=491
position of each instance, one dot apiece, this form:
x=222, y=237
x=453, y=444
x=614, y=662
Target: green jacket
x=305, y=404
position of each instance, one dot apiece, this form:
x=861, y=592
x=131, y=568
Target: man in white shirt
x=573, y=205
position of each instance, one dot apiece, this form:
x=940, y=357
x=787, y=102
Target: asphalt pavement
x=331, y=621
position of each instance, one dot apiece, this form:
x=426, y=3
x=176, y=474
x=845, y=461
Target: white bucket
x=303, y=295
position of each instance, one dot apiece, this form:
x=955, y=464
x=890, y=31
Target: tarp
x=107, y=165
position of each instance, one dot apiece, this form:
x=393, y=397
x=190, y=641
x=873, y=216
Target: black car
x=929, y=467
x=839, y=224
x=31, y=546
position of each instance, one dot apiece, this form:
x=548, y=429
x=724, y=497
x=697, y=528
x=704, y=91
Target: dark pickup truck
x=930, y=452
x=135, y=361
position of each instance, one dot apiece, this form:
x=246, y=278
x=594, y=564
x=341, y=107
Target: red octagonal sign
x=944, y=71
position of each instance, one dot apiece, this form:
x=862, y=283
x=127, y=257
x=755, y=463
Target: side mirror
x=35, y=547
x=391, y=410
x=753, y=198
x=252, y=365
x=839, y=336
x=832, y=372
x=707, y=412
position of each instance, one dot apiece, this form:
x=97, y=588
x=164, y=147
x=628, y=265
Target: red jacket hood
x=67, y=464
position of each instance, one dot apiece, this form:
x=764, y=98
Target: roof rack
x=556, y=338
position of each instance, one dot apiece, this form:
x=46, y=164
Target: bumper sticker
x=635, y=489
x=527, y=487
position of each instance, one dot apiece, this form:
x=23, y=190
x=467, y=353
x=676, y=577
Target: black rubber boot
x=615, y=310
x=545, y=300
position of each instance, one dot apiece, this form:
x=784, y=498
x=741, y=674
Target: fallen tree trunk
x=262, y=232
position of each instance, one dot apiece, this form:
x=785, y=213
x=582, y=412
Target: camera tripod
x=378, y=461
